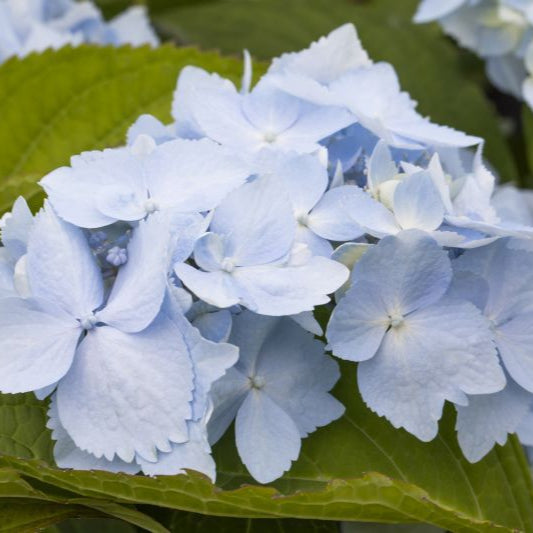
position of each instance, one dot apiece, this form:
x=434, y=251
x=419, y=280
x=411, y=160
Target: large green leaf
x=61, y=103
x=359, y=468
x=443, y=78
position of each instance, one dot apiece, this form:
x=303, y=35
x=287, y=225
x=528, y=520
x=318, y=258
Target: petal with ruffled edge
x=489, y=418
x=68, y=455
x=128, y=393
x=442, y=352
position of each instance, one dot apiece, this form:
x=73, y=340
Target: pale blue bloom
x=416, y=347
x=263, y=118
x=498, y=279
x=129, y=184
x=117, y=256
x=378, y=104
x=34, y=25
x=67, y=306
x=319, y=212
x=277, y=393
x=249, y=257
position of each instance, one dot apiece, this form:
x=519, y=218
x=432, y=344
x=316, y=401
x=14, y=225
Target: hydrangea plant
x=279, y=265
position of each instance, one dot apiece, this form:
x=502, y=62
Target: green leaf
x=440, y=76
x=60, y=103
x=359, y=468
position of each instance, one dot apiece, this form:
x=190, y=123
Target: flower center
x=151, y=206
x=228, y=265
x=88, y=322
x=269, y=137
x=302, y=218
x=257, y=382
x=396, y=320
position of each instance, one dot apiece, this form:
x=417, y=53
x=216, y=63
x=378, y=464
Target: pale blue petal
x=381, y=167
x=368, y=213
x=307, y=321
x=16, y=232
x=132, y=26
x=257, y=221
x=228, y=394
x=68, y=455
x=514, y=339
x=195, y=454
x=193, y=175
x=417, y=203
x=215, y=288
x=141, y=283
x=409, y=270
x=315, y=244
x=190, y=81
x=439, y=353
x=149, y=125
x=328, y=219
x=298, y=376
x=214, y=326
x=267, y=438
x=61, y=267
x=430, y=10
x=469, y=286
x=209, y=252
x=325, y=59
x=303, y=175
x=277, y=291
x=489, y=418
x=36, y=348
x=358, y=323
x=135, y=401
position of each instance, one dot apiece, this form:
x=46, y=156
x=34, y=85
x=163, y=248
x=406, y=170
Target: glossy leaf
x=359, y=468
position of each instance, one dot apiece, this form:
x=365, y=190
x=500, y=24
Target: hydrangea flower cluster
x=34, y=25
x=500, y=31
x=166, y=289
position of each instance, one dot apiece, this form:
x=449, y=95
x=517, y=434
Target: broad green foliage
x=360, y=468
x=61, y=103
x=432, y=69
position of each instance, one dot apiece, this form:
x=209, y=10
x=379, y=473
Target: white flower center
x=151, y=206
x=396, y=320
x=228, y=265
x=269, y=137
x=302, y=218
x=88, y=322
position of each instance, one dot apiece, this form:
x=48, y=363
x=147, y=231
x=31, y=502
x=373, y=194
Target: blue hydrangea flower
x=248, y=256
x=498, y=279
x=128, y=184
x=277, y=393
x=416, y=347
x=28, y=26
x=319, y=212
x=263, y=118
x=134, y=403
